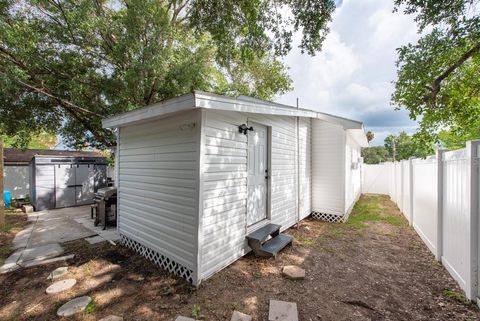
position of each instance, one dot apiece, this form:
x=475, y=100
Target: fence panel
x=406, y=190
x=441, y=200
x=456, y=218
x=399, y=185
x=376, y=178
x=425, y=200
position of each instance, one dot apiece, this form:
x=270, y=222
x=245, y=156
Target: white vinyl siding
x=17, y=180
x=352, y=173
x=328, y=168
x=158, y=186
x=225, y=183
x=305, y=166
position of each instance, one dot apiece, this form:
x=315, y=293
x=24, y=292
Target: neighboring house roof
x=199, y=99
x=14, y=156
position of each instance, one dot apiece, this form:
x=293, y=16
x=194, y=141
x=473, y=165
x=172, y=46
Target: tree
x=457, y=138
x=370, y=136
x=401, y=147
x=439, y=77
x=65, y=64
x=42, y=140
x=395, y=148
x=375, y=155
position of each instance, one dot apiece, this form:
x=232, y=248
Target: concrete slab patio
x=48, y=229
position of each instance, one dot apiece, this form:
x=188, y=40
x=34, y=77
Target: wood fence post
x=2, y=211
x=438, y=255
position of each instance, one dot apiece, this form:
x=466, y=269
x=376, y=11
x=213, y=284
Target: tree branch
x=67, y=23
x=73, y=110
x=177, y=10
x=435, y=87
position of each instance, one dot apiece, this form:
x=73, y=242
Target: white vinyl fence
x=439, y=197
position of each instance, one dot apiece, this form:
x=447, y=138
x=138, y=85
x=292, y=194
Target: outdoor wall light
x=243, y=129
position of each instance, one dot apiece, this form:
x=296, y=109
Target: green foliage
x=370, y=136
x=403, y=146
x=65, y=65
x=375, y=155
x=456, y=296
x=455, y=138
x=396, y=147
x=42, y=140
x=90, y=308
x=196, y=311
x=439, y=77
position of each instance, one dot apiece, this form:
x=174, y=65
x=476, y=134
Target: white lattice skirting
x=159, y=259
x=330, y=217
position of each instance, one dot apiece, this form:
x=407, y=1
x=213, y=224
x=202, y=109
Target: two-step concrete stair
x=267, y=241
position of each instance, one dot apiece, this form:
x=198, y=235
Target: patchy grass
x=457, y=296
x=196, y=311
x=91, y=307
x=5, y=250
x=305, y=241
x=14, y=222
x=351, y=274
x=370, y=208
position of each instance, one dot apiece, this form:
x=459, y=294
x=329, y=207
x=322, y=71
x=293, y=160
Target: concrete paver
x=60, y=286
x=74, y=306
x=282, y=311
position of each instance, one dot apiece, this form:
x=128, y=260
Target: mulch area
x=377, y=270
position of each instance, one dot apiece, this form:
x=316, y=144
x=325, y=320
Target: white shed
x=200, y=174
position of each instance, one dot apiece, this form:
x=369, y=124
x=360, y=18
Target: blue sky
x=352, y=76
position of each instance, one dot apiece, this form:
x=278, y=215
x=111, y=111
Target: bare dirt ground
x=373, y=268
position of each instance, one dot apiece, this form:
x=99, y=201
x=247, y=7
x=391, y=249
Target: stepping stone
x=74, y=306
x=239, y=316
x=180, y=318
x=58, y=272
x=111, y=318
x=61, y=286
x=282, y=311
x=293, y=272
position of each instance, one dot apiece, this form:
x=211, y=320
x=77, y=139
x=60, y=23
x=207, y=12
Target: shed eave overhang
x=199, y=99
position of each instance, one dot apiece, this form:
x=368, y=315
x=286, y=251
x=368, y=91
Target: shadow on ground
x=372, y=268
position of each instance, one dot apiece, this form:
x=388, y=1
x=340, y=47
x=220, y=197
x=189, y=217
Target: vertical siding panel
x=328, y=168
x=163, y=162
x=305, y=167
x=352, y=173
x=225, y=185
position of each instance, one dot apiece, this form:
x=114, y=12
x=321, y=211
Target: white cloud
x=352, y=76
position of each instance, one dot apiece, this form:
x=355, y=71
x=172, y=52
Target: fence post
x=402, y=183
x=410, y=188
x=438, y=255
x=472, y=154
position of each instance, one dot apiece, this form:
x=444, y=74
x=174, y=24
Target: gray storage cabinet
x=57, y=182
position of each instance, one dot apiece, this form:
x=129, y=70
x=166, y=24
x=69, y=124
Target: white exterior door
x=257, y=174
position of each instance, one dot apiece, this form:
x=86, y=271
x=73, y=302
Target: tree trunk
x=2, y=211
